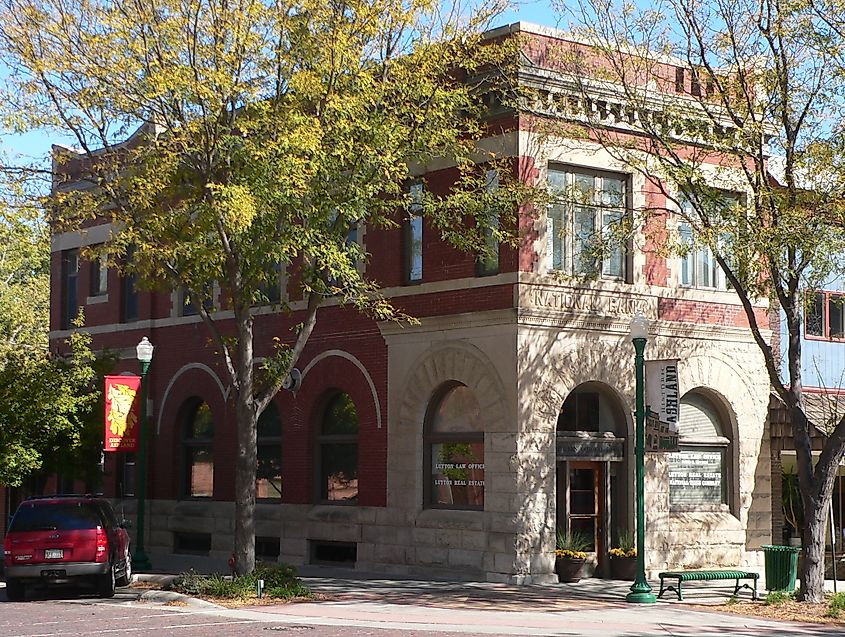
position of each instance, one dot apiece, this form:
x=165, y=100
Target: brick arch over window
x=326, y=375
x=203, y=373
x=193, y=381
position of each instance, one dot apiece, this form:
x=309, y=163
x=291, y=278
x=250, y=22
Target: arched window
x=199, y=459
x=454, y=450
x=699, y=470
x=337, y=448
x=268, y=471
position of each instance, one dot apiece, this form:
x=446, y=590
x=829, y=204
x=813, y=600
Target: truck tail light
x=102, y=545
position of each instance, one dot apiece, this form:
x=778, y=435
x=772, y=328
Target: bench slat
x=687, y=576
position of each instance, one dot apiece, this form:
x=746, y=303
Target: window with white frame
x=488, y=263
x=699, y=268
x=585, y=222
x=414, y=236
x=98, y=274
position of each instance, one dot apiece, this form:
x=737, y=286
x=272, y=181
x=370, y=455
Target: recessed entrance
x=592, y=486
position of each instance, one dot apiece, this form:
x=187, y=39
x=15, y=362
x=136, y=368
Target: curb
x=164, y=597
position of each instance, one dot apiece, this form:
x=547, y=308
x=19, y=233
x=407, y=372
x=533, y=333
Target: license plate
x=54, y=554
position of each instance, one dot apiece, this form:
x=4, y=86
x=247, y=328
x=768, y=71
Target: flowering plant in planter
x=570, y=555
x=571, y=545
x=626, y=547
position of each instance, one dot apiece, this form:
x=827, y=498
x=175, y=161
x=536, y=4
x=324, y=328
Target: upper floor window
x=413, y=240
x=187, y=304
x=270, y=290
x=825, y=316
x=129, y=293
x=69, y=287
x=197, y=441
x=337, y=448
x=585, y=223
x=488, y=263
x=99, y=275
x=699, y=268
x=268, y=470
x=454, y=450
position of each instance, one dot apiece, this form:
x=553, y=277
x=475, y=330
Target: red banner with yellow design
x=123, y=405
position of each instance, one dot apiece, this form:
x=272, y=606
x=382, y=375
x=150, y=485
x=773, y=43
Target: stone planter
x=624, y=568
x=569, y=569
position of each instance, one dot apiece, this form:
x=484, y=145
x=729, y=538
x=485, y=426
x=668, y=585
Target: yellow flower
x=567, y=553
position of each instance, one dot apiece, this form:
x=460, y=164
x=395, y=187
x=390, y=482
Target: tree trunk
x=245, y=463
x=812, y=568
x=245, y=488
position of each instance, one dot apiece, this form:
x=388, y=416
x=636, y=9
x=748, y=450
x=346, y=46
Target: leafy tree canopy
x=228, y=142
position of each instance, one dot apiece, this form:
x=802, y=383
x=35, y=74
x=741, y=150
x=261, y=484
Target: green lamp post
x=140, y=561
x=640, y=589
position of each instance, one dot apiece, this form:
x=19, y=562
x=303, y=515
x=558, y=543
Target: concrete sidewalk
x=592, y=607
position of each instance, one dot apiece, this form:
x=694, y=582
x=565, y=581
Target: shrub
x=779, y=597
x=835, y=605
x=280, y=581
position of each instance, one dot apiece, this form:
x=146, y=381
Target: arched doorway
x=592, y=482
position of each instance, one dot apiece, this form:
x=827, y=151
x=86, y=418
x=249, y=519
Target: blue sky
x=35, y=145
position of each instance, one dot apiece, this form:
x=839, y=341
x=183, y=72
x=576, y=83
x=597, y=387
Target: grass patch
x=779, y=597
x=280, y=582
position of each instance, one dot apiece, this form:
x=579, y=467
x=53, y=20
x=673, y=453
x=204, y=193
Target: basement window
x=334, y=553
x=192, y=543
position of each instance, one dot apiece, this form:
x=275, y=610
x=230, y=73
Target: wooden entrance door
x=584, y=502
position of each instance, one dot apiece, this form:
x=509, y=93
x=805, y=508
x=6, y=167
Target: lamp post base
x=140, y=562
x=640, y=594
x=640, y=598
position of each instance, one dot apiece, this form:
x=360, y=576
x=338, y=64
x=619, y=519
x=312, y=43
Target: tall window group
x=586, y=226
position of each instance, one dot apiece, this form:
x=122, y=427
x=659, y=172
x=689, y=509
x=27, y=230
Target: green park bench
x=690, y=576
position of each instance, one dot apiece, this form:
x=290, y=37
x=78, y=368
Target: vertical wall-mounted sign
x=122, y=413
x=663, y=401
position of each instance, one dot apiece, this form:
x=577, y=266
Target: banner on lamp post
x=122, y=413
x=663, y=402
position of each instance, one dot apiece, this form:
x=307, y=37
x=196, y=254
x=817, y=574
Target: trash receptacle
x=781, y=567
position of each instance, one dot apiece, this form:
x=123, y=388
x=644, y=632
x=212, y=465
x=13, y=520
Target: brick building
x=457, y=446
